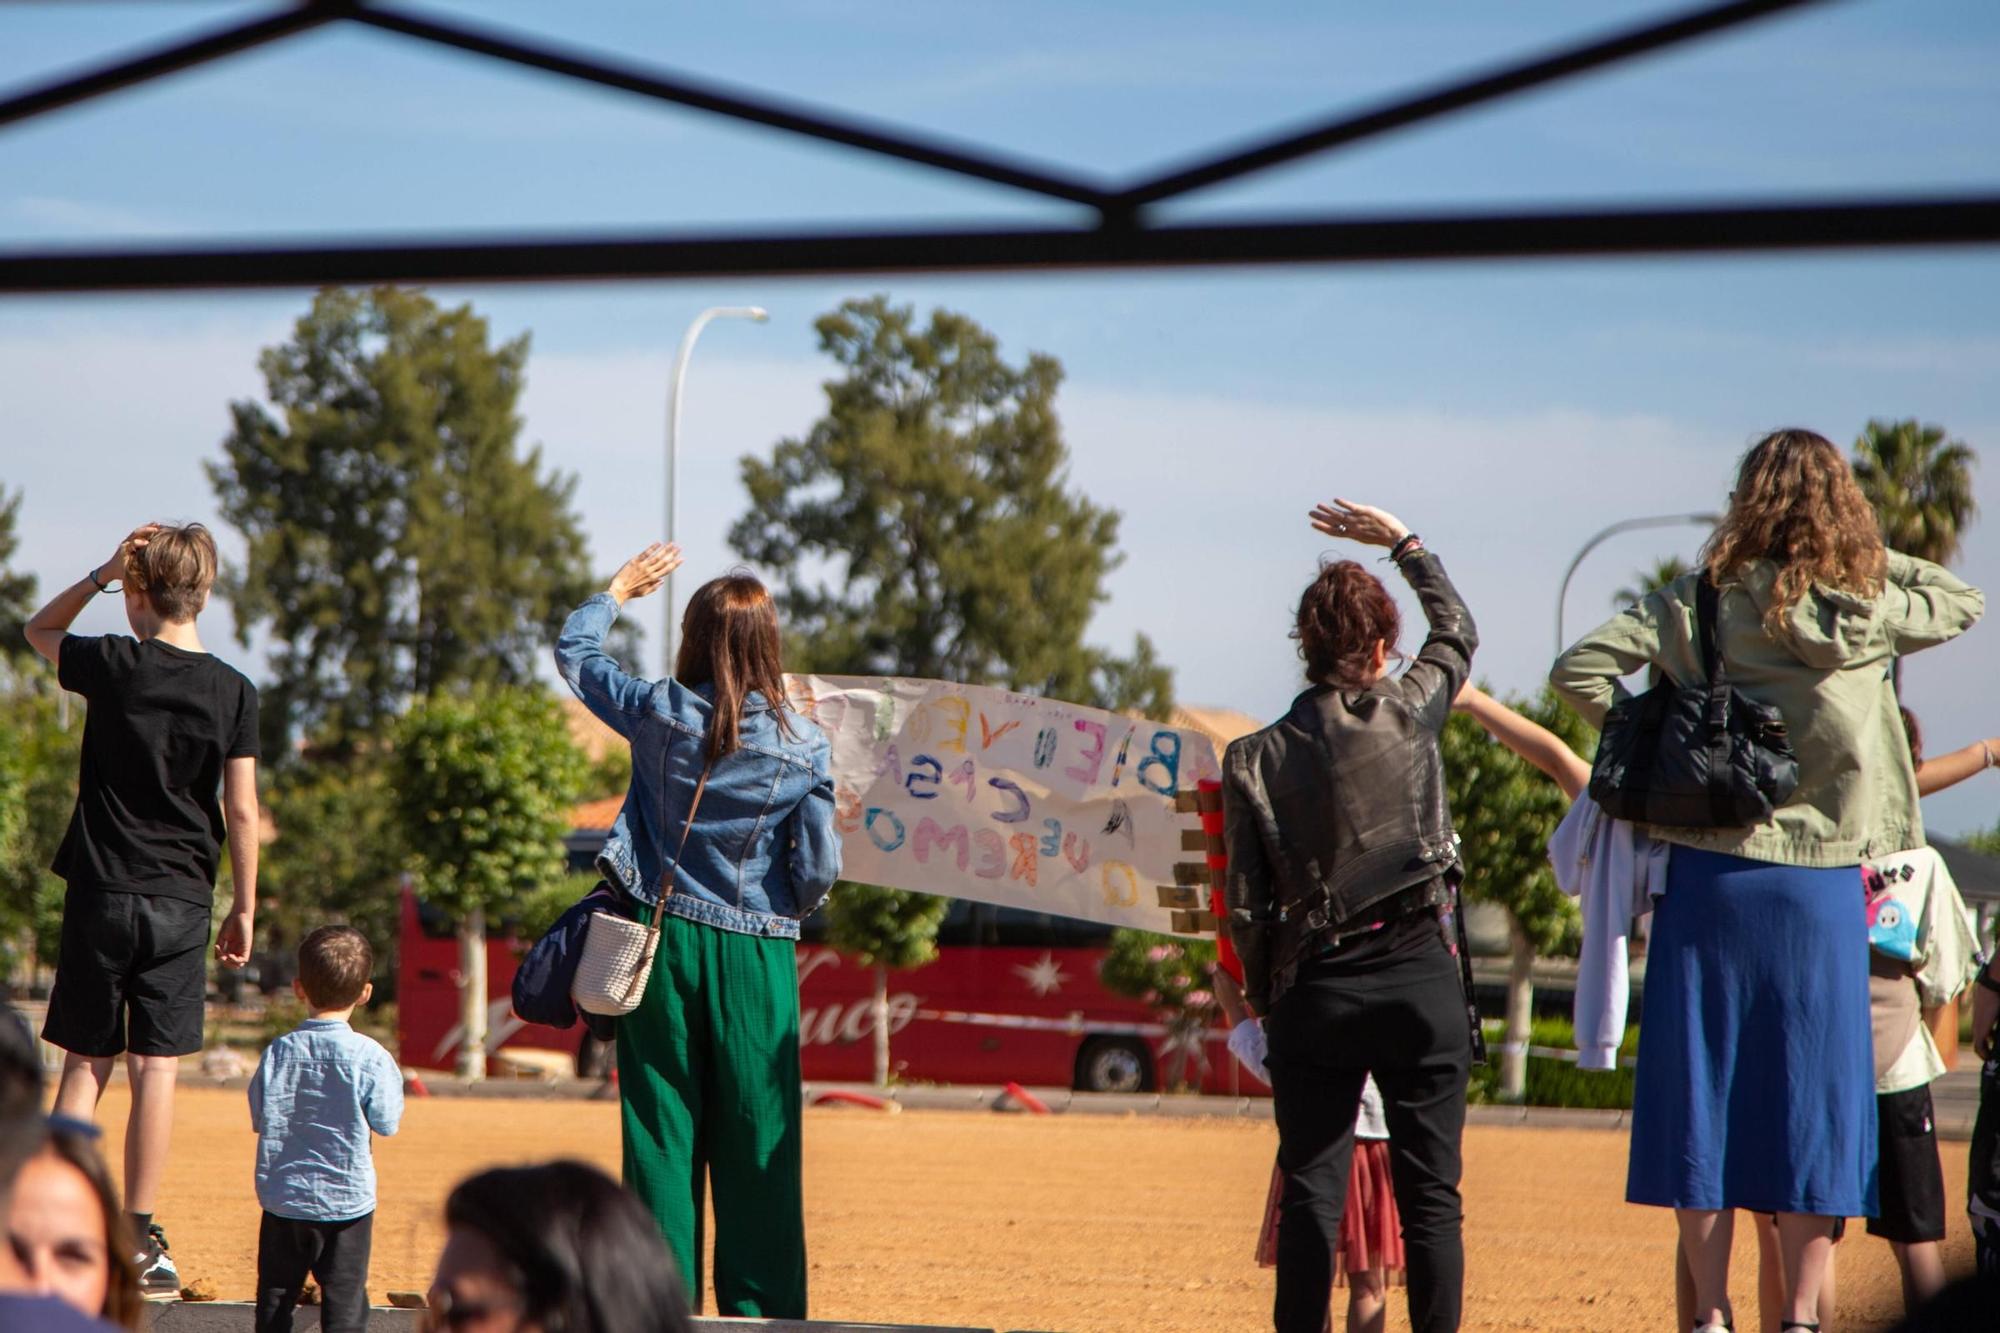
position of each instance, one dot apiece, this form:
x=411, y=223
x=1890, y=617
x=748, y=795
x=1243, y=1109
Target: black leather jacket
x=1340, y=803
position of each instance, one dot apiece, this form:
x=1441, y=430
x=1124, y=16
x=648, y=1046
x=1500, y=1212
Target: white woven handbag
x=618, y=951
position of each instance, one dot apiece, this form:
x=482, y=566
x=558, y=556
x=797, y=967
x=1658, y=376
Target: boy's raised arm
x=46, y=629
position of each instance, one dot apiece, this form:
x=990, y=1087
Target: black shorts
x=1910, y=1175
x=132, y=975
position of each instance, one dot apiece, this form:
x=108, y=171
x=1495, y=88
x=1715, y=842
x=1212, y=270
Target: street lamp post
x=1629, y=525
x=751, y=312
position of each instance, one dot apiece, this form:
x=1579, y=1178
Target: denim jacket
x=763, y=850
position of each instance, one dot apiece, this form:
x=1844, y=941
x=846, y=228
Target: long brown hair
x=729, y=639
x=1797, y=505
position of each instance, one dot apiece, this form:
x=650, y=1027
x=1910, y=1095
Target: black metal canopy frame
x=1120, y=234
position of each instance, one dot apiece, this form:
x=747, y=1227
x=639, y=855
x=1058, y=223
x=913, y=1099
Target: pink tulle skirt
x=1371, y=1230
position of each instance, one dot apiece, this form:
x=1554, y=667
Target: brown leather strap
x=640, y=974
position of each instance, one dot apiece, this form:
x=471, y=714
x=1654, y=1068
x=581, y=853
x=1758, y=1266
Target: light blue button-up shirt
x=317, y=1092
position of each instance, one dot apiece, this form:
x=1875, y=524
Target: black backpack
x=1694, y=756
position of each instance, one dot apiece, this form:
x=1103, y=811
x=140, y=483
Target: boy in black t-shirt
x=168, y=726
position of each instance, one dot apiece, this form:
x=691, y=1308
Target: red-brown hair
x=729, y=639
x=1342, y=615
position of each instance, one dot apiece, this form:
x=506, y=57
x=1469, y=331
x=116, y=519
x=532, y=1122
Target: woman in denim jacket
x=708, y=1064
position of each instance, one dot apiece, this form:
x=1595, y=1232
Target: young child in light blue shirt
x=316, y=1094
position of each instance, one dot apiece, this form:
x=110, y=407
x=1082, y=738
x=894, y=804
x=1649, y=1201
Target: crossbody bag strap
x=1721, y=794
x=667, y=882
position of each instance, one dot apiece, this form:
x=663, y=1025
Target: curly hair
x=1342, y=615
x=1797, y=505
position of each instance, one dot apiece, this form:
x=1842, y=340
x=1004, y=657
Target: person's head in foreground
x=34, y=1294
x=1797, y=505
x=67, y=1233
x=558, y=1248
x=168, y=576
x=334, y=966
x=730, y=640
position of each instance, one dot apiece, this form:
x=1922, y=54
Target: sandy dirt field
x=1010, y=1222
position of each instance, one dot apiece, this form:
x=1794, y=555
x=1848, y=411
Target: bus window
x=956, y=930
x=1016, y=928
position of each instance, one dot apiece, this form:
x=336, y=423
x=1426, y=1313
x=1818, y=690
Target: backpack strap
x=1721, y=793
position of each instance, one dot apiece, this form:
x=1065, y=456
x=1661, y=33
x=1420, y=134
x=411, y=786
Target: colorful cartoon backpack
x=1892, y=930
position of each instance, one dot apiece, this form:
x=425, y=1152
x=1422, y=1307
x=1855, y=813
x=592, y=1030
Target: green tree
x=38, y=773
x=399, y=539
x=17, y=589
x=1504, y=811
x=885, y=930
x=337, y=855
x=483, y=780
x=1170, y=974
x=1920, y=482
x=1655, y=576
x=924, y=527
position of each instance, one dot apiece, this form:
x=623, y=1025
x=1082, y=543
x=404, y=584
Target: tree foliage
x=1920, y=482
x=483, y=784
x=880, y=927
x=17, y=588
x=398, y=537
x=1651, y=579
x=924, y=526
x=338, y=854
x=1504, y=810
x=38, y=774
x=1170, y=975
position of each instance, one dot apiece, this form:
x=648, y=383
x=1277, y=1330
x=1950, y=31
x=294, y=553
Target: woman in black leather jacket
x=1343, y=872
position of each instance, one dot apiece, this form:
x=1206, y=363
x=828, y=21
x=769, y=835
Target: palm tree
x=1663, y=571
x=1920, y=484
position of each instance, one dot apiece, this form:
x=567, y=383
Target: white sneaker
x=159, y=1280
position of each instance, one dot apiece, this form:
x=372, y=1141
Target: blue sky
x=1507, y=411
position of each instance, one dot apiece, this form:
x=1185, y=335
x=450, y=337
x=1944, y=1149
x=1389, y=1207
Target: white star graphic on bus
x=1045, y=977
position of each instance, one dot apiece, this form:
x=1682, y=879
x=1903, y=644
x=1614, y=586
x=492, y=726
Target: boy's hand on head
x=645, y=572
x=232, y=942
x=136, y=541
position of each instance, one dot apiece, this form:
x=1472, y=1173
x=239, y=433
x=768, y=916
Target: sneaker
x=159, y=1280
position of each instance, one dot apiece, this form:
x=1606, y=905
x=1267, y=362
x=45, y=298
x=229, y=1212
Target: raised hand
x=645, y=572
x=1359, y=523
x=114, y=568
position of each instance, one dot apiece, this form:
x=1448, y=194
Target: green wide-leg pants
x=709, y=1068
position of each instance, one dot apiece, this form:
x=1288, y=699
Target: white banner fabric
x=973, y=792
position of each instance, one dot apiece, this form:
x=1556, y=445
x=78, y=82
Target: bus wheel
x=1114, y=1064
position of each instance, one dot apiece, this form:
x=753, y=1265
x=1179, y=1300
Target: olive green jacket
x=1827, y=674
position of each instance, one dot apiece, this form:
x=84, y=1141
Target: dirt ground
x=1011, y=1222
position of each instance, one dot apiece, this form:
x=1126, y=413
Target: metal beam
x=169, y=59
x=1659, y=231
x=666, y=86
x=1407, y=111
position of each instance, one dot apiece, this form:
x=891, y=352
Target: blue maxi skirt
x=1756, y=1079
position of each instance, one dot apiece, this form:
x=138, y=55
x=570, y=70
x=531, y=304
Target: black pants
x=1404, y=1022
x=1982, y=1186
x=333, y=1253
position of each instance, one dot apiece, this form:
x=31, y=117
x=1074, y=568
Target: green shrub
x=1553, y=1082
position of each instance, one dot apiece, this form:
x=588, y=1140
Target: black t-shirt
x=162, y=722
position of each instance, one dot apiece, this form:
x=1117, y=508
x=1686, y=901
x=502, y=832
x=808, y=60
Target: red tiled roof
x=596, y=814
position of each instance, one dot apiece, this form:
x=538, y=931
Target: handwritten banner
x=979, y=793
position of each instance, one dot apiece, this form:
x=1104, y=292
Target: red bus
x=1012, y=996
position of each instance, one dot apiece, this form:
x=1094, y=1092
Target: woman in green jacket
x=1756, y=1077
